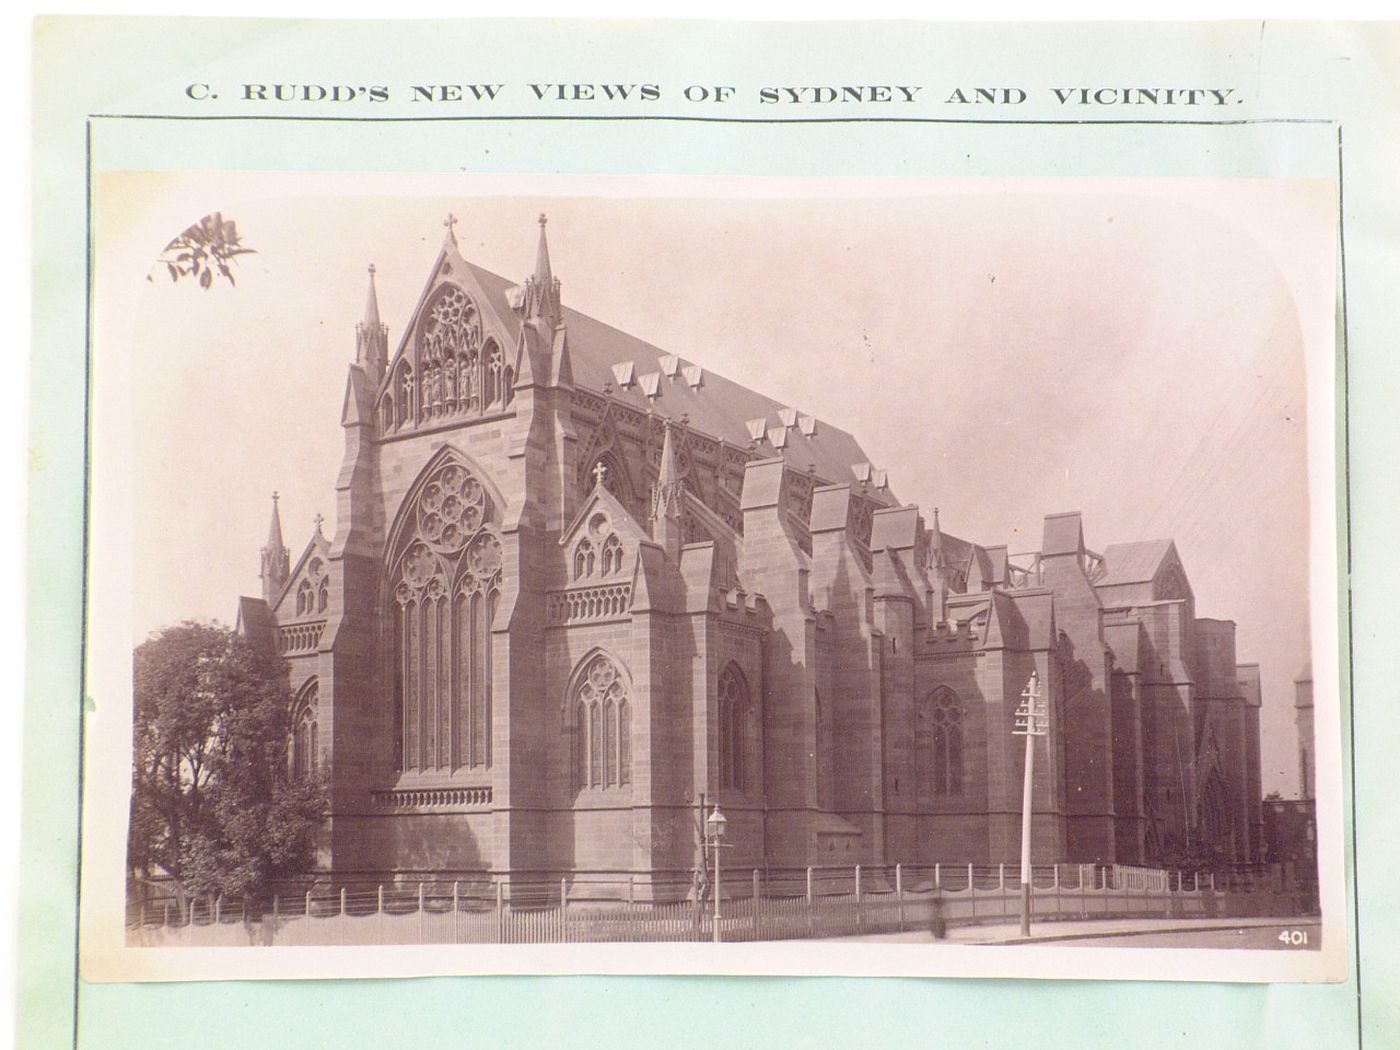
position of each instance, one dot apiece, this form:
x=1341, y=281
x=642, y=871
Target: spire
x=542, y=288
x=371, y=336
x=543, y=274
x=667, y=498
x=276, y=558
x=371, y=302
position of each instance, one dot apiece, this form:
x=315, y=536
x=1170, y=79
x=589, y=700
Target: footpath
x=1045, y=932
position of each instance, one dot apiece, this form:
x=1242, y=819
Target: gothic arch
x=443, y=572
x=598, y=709
x=616, y=478
x=443, y=456
x=938, y=744
x=738, y=744
x=461, y=368
x=303, y=758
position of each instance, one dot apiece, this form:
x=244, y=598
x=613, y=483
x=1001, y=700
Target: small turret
x=276, y=558
x=372, y=336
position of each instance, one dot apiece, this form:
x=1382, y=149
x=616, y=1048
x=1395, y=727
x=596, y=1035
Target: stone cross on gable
x=600, y=474
x=320, y=520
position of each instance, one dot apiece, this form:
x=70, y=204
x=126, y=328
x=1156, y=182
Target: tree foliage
x=207, y=248
x=213, y=803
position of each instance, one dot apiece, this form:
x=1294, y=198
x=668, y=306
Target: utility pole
x=1032, y=720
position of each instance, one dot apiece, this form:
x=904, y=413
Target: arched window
x=444, y=579
x=601, y=724
x=612, y=555
x=938, y=744
x=583, y=560
x=323, y=594
x=305, y=598
x=405, y=395
x=736, y=744
x=494, y=385
x=304, y=759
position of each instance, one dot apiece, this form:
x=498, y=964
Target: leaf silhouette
x=211, y=243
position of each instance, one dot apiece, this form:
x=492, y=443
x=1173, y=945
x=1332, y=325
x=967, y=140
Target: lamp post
x=1032, y=720
x=716, y=823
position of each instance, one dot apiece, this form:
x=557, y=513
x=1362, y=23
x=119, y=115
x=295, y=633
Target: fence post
x=342, y=900
x=753, y=903
x=218, y=909
x=166, y=921
x=811, y=908
x=308, y=904
x=631, y=889
x=274, y=907
x=857, y=883
x=1001, y=877
x=500, y=912
x=420, y=913
x=969, y=877
x=938, y=876
x=899, y=892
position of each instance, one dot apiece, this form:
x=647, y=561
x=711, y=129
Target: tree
x=213, y=802
x=209, y=247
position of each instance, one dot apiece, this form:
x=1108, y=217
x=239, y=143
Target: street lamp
x=1032, y=720
x=716, y=823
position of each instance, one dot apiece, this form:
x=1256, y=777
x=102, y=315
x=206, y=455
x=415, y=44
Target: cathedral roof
x=1133, y=562
x=718, y=407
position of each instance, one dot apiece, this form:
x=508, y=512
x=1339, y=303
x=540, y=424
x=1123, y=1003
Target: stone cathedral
x=577, y=584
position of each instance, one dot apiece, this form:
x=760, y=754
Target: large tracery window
x=304, y=758
x=601, y=724
x=736, y=744
x=444, y=583
x=938, y=744
x=461, y=370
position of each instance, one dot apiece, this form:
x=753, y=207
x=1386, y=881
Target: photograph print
x=928, y=566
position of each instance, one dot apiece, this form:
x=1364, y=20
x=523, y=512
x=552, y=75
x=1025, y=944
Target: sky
x=1005, y=349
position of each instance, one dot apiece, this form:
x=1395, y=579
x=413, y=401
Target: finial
x=543, y=219
x=600, y=473
x=371, y=269
x=274, y=496
x=320, y=520
x=450, y=222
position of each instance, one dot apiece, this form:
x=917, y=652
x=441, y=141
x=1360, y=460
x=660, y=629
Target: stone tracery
x=444, y=587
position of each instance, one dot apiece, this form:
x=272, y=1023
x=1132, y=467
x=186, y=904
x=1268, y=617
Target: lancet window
x=612, y=555
x=306, y=599
x=444, y=584
x=600, y=726
x=585, y=560
x=938, y=744
x=736, y=731
x=304, y=758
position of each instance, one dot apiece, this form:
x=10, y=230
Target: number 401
x=1294, y=938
